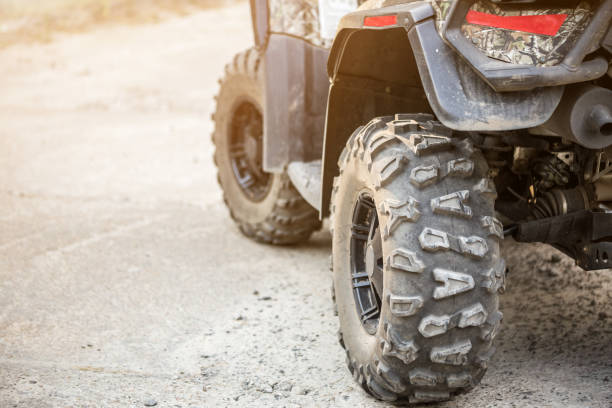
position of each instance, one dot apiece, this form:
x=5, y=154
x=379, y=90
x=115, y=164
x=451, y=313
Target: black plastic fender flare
x=454, y=92
x=460, y=99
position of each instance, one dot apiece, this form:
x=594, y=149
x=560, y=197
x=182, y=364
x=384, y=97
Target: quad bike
x=427, y=131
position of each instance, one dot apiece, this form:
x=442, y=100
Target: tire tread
x=292, y=219
x=429, y=368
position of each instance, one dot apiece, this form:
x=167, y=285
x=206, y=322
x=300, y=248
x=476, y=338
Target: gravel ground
x=124, y=283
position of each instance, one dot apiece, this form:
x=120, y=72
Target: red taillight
x=546, y=24
x=380, y=21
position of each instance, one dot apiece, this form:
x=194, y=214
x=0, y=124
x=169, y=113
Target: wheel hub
x=366, y=262
x=246, y=152
x=374, y=262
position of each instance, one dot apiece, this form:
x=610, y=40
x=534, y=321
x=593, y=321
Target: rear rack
x=502, y=76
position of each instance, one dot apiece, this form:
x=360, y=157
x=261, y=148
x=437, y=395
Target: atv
x=426, y=131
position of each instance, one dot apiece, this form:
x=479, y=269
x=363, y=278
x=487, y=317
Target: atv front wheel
x=266, y=206
x=416, y=259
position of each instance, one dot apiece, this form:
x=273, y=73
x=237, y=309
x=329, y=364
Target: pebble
x=150, y=403
x=300, y=390
x=266, y=389
x=265, y=298
x=549, y=272
x=283, y=386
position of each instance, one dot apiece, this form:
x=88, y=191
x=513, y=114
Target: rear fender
x=405, y=67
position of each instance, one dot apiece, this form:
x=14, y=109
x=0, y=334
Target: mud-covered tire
x=282, y=216
x=442, y=267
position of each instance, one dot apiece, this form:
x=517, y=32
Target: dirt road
x=123, y=281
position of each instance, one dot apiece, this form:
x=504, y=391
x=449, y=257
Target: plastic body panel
x=296, y=89
x=459, y=98
x=463, y=101
x=502, y=76
x=457, y=95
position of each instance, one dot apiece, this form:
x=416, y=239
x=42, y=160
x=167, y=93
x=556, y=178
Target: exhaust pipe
x=584, y=116
x=600, y=120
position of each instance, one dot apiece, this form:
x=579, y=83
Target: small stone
x=150, y=403
x=32, y=382
x=554, y=258
x=285, y=386
x=266, y=389
x=549, y=272
x=265, y=298
x=299, y=390
x=240, y=317
x=256, y=292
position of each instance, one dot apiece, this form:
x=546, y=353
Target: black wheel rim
x=366, y=262
x=246, y=152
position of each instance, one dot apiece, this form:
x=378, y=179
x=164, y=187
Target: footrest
x=306, y=178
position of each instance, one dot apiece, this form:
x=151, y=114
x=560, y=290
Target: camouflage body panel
x=301, y=19
x=519, y=47
x=297, y=17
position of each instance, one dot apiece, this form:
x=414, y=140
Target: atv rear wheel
x=265, y=206
x=416, y=259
